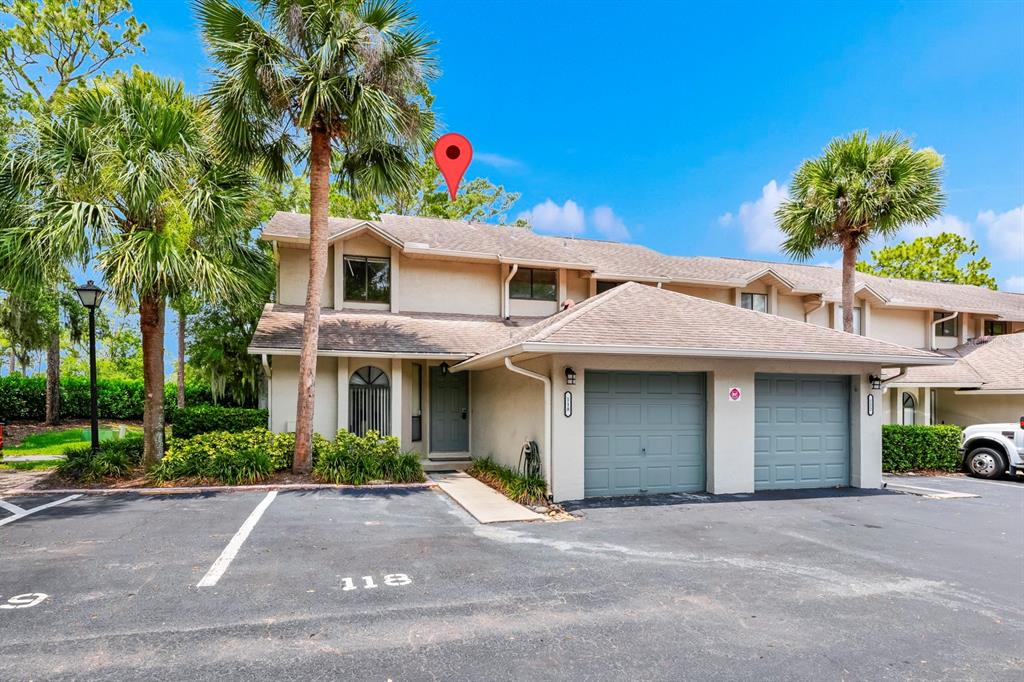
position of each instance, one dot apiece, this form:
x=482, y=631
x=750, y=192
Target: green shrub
x=358, y=460
x=114, y=459
x=224, y=457
x=514, y=485
x=908, y=447
x=25, y=397
x=192, y=421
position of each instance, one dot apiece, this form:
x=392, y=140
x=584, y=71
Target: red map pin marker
x=452, y=153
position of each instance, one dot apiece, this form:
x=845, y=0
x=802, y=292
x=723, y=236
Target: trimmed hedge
x=25, y=398
x=906, y=447
x=192, y=421
x=358, y=460
x=228, y=458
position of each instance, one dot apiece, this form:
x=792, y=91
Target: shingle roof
x=280, y=327
x=636, y=316
x=636, y=261
x=988, y=363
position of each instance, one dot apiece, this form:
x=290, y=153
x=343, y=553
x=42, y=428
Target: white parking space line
x=229, y=553
x=13, y=508
x=25, y=512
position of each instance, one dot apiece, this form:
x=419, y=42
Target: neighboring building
x=428, y=321
x=985, y=385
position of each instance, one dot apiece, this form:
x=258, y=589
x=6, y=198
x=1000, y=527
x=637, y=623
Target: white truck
x=991, y=450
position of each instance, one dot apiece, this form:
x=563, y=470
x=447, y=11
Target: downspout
x=903, y=370
x=506, y=312
x=808, y=313
x=547, y=417
x=938, y=322
x=270, y=391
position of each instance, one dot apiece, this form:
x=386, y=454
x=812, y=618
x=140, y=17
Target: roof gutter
x=724, y=353
x=547, y=417
x=254, y=350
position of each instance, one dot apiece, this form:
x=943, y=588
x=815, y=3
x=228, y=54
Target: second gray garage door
x=644, y=433
x=801, y=431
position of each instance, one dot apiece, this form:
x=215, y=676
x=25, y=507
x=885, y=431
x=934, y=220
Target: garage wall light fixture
x=444, y=368
x=876, y=382
x=570, y=376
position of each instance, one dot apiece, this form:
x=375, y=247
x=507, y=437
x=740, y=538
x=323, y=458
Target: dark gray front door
x=644, y=432
x=449, y=411
x=801, y=431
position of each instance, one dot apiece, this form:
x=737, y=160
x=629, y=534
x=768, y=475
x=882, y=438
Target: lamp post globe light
x=91, y=296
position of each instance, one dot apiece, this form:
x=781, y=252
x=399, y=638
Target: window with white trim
x=909, y=409
x=534, y=285
x=858, y=317
x=369, y=401
x=947, y=328
x=758, y=302
x=367, y=280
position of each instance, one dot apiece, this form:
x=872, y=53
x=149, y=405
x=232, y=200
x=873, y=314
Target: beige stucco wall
x=577, y=287
x=965, y=410
x=730, y=424
x=710, y=293
x=284, y=387
x=449, y=287
x=293, y=275
x=791, y=307
x=508, y=410
x=905, y=327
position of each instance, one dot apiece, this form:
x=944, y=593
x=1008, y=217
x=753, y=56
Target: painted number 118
x=390, y=580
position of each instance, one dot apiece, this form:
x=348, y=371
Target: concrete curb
x=220, y=489
x=930, y=493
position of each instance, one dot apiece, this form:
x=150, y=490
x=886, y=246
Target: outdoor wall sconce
x=444, y=369
x=876, y=382
x=570, y=376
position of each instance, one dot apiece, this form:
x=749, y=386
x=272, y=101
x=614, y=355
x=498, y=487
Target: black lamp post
x=91, y=296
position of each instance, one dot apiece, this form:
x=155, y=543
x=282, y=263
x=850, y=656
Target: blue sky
x=679, y=125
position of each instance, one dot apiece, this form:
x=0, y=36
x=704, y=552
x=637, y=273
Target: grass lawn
x=55, y=442
x=29, y=466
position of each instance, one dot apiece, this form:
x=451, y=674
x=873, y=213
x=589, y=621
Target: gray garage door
x=802, y=431
x=644, y=433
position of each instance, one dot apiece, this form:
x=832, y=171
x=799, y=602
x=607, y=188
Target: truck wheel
x=985, y=463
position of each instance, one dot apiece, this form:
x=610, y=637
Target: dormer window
x=534, y=285
x=758, y=302
x=995, y=328
x=367, y=280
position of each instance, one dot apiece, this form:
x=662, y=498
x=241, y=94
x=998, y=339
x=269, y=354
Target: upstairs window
x=534, y=285
x=995, y=328
x=367, y=280
x=858, y=317
x=758, y=302
x=947, y=328
x=605, y=285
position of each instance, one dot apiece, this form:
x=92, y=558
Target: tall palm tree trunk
x=181, y=359
x=849, y=269
x=53, y=380
x=319, y=196
x=151, y=319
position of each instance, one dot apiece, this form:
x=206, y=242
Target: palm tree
x=348, y=78
x=857, y=190
x=137, y=188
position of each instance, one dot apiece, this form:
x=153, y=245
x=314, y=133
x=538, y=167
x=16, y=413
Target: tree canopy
x=932, y=259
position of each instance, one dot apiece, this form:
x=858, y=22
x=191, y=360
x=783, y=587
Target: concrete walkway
x=484, y=503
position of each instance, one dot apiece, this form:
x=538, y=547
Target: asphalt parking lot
x=406, y=586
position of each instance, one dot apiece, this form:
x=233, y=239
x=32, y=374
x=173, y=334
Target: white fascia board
x=548, y=348
x=367, y=226
x=628, y=278
x=360, y=354
x=770, y=273
x=992, y=391
x=541, y=263
x=934, y=384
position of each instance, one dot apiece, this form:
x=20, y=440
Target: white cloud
x=1015, y=283
x=945, y=223
x=497, y=160
x=609, y=225
x=757, y=218
x=1005, y=233
x=550, y=217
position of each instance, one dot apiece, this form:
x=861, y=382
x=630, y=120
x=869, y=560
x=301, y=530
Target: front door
x=449, y=411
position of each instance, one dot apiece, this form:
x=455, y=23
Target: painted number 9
x=24, y=601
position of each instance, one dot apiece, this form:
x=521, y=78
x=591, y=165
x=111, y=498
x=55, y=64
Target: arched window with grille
x=369, y=401
x=909, y=409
